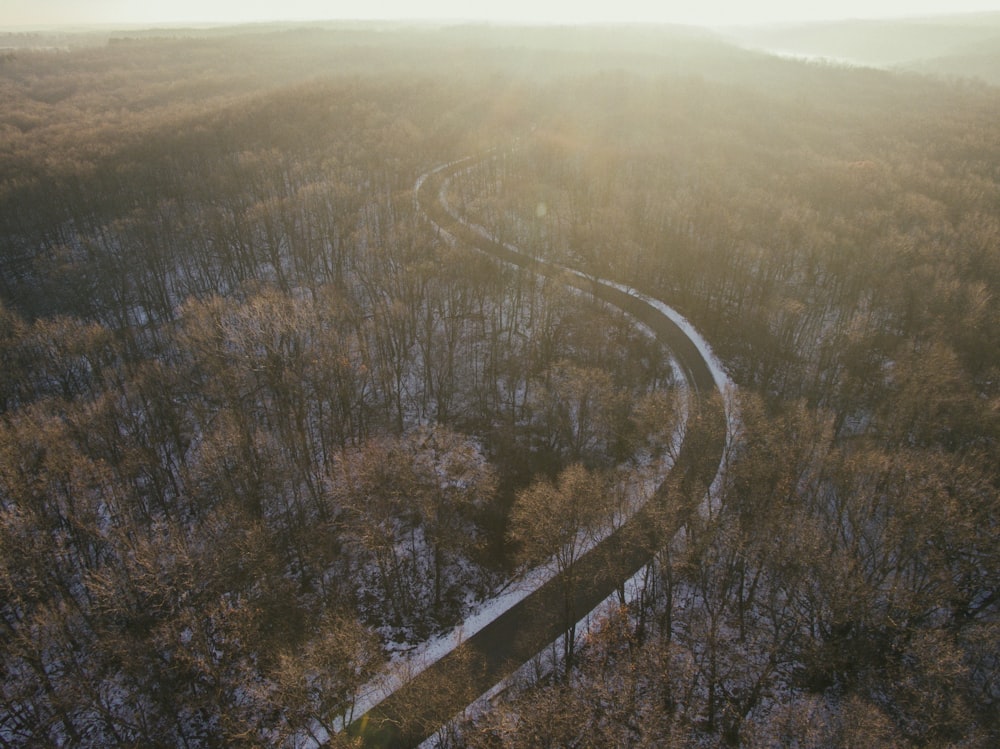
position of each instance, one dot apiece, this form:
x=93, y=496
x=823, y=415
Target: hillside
x=966, y=46
x=264, y=428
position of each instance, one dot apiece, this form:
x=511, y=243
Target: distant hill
x=980, y=61
x=965, y=45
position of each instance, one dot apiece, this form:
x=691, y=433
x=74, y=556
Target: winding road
x=420, y=707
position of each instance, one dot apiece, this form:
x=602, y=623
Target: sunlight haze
x=709, y=12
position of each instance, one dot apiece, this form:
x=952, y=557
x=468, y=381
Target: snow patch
x=404, y=668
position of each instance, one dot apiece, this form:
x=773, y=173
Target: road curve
x=416, y=710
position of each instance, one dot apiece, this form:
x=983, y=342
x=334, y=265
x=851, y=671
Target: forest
x=264, y=429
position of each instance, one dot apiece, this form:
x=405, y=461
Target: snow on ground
x=719, y=374
x=545, y=662
x=404, y=667
x=722, y=380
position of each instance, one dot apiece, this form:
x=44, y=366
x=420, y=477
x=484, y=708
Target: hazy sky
x=707, y=12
